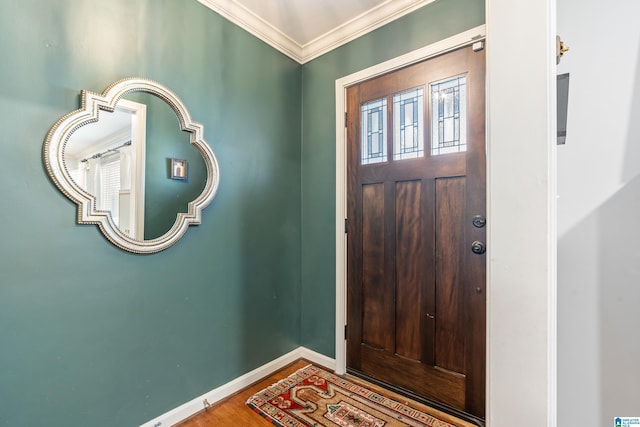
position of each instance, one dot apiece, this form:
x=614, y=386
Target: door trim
x=463, y=39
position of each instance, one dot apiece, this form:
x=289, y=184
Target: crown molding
x=254, y=24
x=358, y=26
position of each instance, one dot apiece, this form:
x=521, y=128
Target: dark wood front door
x=415, y=261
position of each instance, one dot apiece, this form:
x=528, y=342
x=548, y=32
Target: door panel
x=409, y=275
x=431, y=382
x=449, y=249
x=415, y=291
x=377, y=306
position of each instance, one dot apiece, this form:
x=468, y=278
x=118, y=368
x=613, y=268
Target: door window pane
x=408, y=124
x=374, y=132
x=449, y=116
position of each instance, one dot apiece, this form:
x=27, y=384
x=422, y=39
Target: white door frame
x=521, y=208
x=421, y=54
x=138, y=134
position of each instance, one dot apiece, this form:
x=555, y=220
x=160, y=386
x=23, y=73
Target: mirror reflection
x=166, y=197
x=113, y=157
x=107, y=160
x=124, y=161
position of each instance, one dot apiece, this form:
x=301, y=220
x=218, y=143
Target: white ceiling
x=305, y=29
x=306, y=20
x=113, y=128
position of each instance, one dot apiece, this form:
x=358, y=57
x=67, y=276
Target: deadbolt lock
x=478, y=247
x=479, y=221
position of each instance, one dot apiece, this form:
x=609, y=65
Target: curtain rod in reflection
x=109, y=151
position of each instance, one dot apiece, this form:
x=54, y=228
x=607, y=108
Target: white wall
x=599, y=214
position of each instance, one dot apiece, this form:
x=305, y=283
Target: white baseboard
x=317, y=358
x=186, y=410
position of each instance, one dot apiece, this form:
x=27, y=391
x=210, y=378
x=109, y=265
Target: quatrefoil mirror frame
x=87, y=213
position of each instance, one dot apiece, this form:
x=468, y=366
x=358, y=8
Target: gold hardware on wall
x=561, y=48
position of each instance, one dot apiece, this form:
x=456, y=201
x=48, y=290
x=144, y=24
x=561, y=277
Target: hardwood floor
x=233, y=411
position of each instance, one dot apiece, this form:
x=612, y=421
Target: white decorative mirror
x=132, y=169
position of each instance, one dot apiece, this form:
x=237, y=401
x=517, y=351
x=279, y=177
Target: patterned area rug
x=313, y=397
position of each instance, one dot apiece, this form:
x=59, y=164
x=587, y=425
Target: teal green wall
x=94, y=336
x=165, y=197
x=427, y=25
